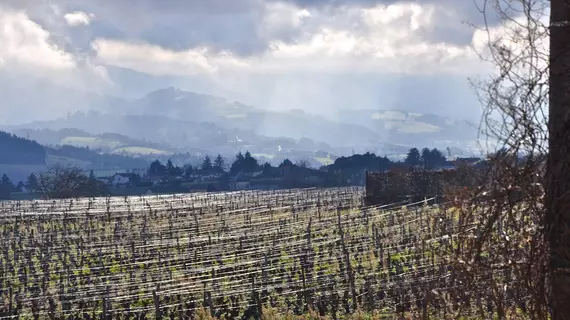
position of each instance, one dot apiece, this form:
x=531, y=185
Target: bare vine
x=504, y=252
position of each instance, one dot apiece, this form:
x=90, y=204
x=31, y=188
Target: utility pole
x=558, y=166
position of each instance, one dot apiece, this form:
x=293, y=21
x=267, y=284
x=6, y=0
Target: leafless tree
x=67, y=182
x=303, y=163
x=505, y=247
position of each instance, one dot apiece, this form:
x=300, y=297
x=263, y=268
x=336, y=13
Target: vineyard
x=233, y=254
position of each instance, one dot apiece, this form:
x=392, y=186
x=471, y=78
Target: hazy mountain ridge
x=182, y=120
x=155, y=129
x=355, y=128
x=179, y=104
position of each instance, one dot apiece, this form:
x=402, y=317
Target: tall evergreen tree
x=92, y=176
x=286, y=163
x=207, y=164
x=437, y=157
x=156, y=168
x=6, y=187
x=32, y=183
x=172, y=170
x=267, y=168
x=219, y=163
x=413, y=158
x=188, y=170
x=243, y=163
x=426, y=159
x=249, y=163
x=5, y=181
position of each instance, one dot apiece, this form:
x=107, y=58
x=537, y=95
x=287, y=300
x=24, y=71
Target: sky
x=317, y=55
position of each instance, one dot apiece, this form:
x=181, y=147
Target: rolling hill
x=407, y=128
x=21, y=156
x=171, y=119
x=111, y=143
x=178, y=104
x=349, y=128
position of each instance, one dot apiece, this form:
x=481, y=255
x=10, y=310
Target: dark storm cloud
x=178, y=24
x=175, y=24
x=233, y=25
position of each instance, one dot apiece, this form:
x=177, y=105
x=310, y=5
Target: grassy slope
x=115, y=146
x=91, y=142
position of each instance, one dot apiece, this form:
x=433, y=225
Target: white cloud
x=281, y=18
x=25, y=44
x=156, y=60
x=272, y=54
x=29, y=50
x=520, y=48
x=522, y=38
x=388, y=39
x=78, y=18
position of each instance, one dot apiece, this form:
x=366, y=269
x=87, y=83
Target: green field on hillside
x=91, y=142
x=111, y=145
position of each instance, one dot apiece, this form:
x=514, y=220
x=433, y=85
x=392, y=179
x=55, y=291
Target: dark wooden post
x=558, y=167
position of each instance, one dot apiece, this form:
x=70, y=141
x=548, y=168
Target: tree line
x=56, y=183
x=16, y=150
x=428, y=159
x=246, y=163
x=66, y=182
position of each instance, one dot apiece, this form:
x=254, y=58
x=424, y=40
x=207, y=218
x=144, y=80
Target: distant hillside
x=112, y=143
x=189, y=106
x=408, y=128
x=187, y=136
x=157, y=129
x=90, y=159
x=174, y=120
x=20, y=156
x=352, y=128
x=19, y=151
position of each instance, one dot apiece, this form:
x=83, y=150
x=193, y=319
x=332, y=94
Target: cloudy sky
x=317, y=55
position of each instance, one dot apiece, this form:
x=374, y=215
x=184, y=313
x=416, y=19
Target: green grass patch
x=325, y=161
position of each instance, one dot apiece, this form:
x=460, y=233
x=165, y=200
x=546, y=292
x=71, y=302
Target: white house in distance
x=119, y=180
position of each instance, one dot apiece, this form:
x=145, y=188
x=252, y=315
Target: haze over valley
x=288, y=79
x=172, y=120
